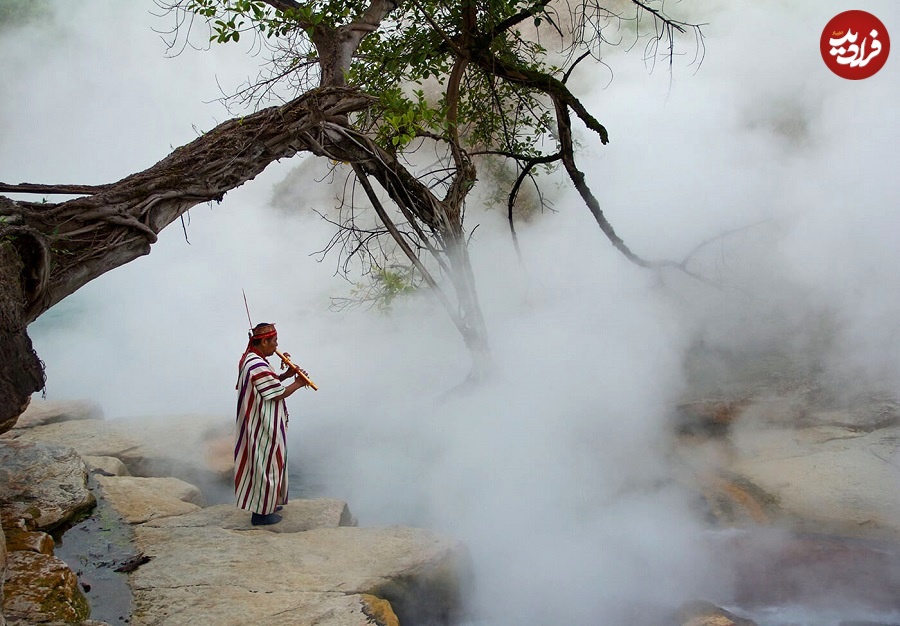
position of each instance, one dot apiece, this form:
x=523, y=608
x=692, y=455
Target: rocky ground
x=808, y=481
x=179, y=561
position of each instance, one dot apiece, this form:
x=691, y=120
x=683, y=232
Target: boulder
x=218, y=452
x=89, y=437
x=827, y=479
x=307, y=569
x=239, y=606
x=298, y=515
x=180, y=446
x=43, y=483
x=40, y=412
x=106, y=465
x=150, y=447
x=18, y=537
x=40, y=588
x=139, y=499
x=790, y=460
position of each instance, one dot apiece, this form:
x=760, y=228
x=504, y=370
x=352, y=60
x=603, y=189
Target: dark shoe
x=264, y=520
x=278, y=508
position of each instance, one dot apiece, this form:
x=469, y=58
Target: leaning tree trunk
x=21, y=372
x=442, y=218
x=474, y=329
x=50, y=250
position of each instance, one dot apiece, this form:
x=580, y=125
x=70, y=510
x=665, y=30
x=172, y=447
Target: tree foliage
x=473, y=78
x=367, y=84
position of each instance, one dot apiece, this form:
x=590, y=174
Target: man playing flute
x=260, y=451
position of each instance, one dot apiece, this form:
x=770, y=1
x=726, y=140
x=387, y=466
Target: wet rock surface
x=805, y=492
x=95, y=548
x=800, y=496
x=283, y=576
x=140, y=499
x=42, y=483
x=152, y=552
x=41, y=588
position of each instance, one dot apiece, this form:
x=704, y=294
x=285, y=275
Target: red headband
x=263, y=333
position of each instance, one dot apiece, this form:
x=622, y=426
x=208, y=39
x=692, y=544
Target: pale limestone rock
x=40, y=412
x=176, y=445
x=239, y=606
x=139, y=499
x=297, y=515
x=283, y=574
x=845, y=484
x=44, y=483
x=108, y=465
x=170, y=446
x=89, y=437
x=813, y=469
x=861, y=414
x=194, y=448
x=218, y=452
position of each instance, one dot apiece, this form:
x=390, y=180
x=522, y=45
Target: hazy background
x=555, y=475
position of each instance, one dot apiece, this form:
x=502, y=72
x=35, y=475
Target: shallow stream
x=780, y=580
x=94, y=548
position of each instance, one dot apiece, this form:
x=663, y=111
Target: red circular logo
x=855, y=44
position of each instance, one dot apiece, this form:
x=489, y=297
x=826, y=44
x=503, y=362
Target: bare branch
x=518, y=18
x=404, y=246
x=65, y=190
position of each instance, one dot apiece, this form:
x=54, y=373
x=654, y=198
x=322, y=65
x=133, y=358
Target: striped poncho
x=260, y=450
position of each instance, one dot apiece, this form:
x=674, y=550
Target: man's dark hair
x=255, y=341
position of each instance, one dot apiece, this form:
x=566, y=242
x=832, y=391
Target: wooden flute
x=286, y=362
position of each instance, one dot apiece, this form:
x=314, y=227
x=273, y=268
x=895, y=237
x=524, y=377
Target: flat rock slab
x=106, y=465
x=147, y=447
x=238, y=606
x=207, y=574
x=89, y=437
x=834, y=481
x=297, y=516
x=40, y=412
x=140, y=499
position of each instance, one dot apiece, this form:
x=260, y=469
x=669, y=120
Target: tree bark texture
x=53, y=249
x=50, y=250
x=21, y=372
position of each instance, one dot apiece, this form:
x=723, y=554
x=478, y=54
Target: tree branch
x=518, y=18
x=91, y=235
x=74, y=190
